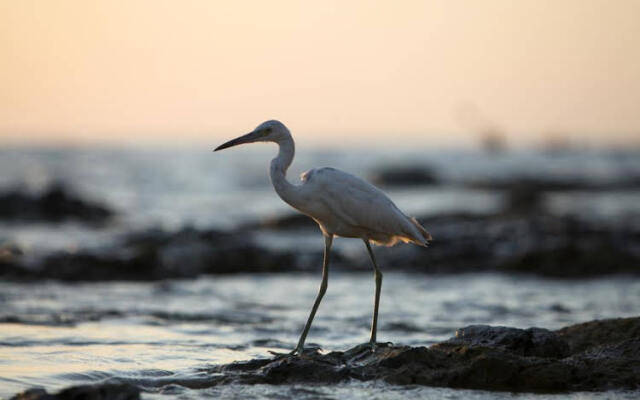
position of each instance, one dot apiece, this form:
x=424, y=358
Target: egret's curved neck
x=279, y=166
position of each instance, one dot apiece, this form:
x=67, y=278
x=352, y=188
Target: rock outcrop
x=599, y=355
x=105, y=391
x=540, y=244
x=55, y=204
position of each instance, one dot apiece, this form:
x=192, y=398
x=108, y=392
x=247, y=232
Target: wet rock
x=575, y=261
x=592, y=334
x=56, y=204
x=405, y=176
x=534, y=342
x=556, y=184
x=105, y=391
x=155, y=255
x=577, y=358
x=286, y=222
x=91, y=267
x=541, y=244
x=559, y=308
x=523, y=199
x=538, y=244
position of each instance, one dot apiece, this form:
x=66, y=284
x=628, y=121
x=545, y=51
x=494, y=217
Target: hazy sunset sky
x=334, y=71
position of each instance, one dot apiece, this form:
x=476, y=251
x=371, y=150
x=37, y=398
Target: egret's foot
x=364, y=350
x=282, y=355
x=377, y=345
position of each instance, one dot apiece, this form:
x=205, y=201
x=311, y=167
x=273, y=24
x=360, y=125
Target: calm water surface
x=163, y=336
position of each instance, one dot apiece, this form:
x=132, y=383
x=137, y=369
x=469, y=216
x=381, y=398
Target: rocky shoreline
x=544, y=245
x=521, y=238
x=593, y=356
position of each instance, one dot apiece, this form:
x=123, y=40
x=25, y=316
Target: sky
x=439, y=72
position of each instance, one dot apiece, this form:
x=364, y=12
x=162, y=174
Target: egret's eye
x=267, y=131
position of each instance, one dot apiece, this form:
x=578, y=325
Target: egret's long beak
x=248, y=138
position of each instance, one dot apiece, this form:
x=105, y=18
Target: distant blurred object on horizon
x=494, y=141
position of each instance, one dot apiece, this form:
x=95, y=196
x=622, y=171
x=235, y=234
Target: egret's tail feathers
x=425, y=235
x=411, y=232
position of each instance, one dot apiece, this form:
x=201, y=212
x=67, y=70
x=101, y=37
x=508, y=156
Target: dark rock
x=105, y=391
x=523, y=198
x=287, y=222
x=156, y=255
x=537, y=244
x=533, y=342
x=104, y=267
x=33, y=394
x=56, y=204
x=404, y=176
x=562, y=247
x=591, y=334
x=559, y=308
x=554, y=184
x=570, y=261
x=577, y=358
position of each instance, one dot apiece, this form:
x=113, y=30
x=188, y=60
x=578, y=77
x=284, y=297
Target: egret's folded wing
x=361, y=204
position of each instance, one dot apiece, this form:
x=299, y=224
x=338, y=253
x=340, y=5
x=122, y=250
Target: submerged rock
x=557, y=184
x=105, y=391
x=478, y=357
x=154, y=255
x=56, y=204
x=295, y=221
x=405, y=176
x=538, y=244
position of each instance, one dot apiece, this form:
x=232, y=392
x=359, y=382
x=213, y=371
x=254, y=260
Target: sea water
x=164, y=336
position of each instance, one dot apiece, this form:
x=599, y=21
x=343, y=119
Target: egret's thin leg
x=328, y=239
x=376, y=300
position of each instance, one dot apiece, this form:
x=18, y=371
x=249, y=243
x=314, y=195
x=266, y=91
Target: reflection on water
x=162, y=336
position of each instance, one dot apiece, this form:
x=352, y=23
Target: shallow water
x=163, y=336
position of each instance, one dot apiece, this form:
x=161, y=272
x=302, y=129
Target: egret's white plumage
x=347, y=206
x=341, y=204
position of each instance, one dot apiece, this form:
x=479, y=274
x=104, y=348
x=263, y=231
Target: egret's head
x=268, y=131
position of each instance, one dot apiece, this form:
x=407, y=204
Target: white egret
x=341, y=204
